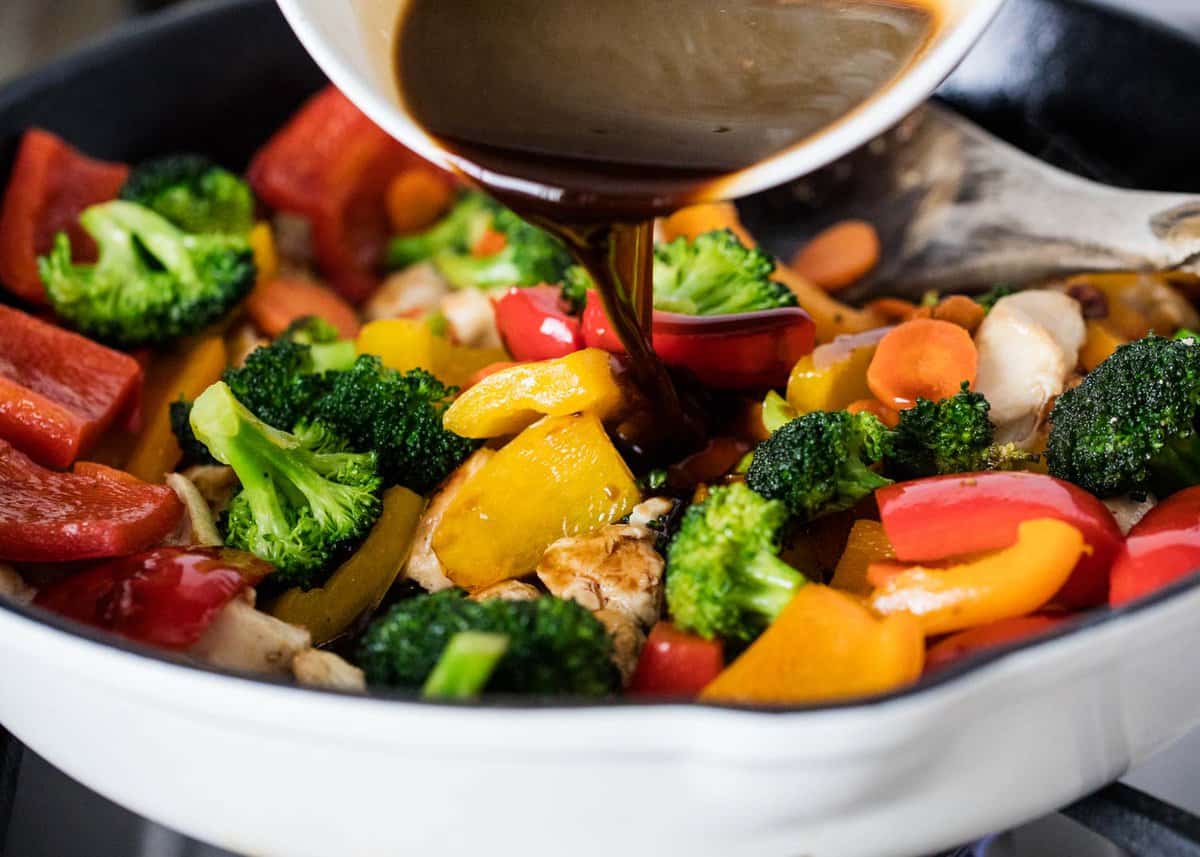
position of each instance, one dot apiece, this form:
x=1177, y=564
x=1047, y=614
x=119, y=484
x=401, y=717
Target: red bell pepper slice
x=731, y=352
x=674, y=663
x=1162, y=547
x=946, y=516
x=59, y=391
x=93, y=512
x=51, y=184
x=165, y=597
x=972, y=641
x=535, y=325
x=332, y=166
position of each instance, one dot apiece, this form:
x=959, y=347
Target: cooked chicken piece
x=508, y=590
x=1060, y=314
x=649, y=511
x=243, y=342
x=293, y=240
x=1129, y=511
x=628, y=638
x=471, y=319
x=13, y=587
x=1021, y=364
x=216, y=483
x=317, y=668
x=242, y=638
x=415, y=291
x=423, y=565
x=615, y=568
x=197, y=526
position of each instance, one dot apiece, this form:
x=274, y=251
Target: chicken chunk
x=416, y=291
x=423, y=566
x=471, y=318
x=628, y=638
x=197, y=527
x=317, y=668
x=216, y=483
x=13, y=587
x=1022, y=366
x=507, y=590
x=615, y=568
x=245, y=639
x=1128, y=511
x=649, y=511
x=1061, y=315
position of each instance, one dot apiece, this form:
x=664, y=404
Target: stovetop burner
x=43, y=813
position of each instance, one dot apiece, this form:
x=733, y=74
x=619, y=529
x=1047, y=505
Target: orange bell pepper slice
x=1011, y=582
x=868, y=544
x=824, y=646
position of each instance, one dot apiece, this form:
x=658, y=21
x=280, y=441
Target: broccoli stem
x=333, y=356
x=465, y=665
x=770, y=584
x=1177, y=464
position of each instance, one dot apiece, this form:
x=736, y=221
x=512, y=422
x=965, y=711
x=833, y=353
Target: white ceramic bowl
x=353, y=42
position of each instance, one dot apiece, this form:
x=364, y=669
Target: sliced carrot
x=886, y=415
x=892, y=310
x=490, y=243
x=840, y=256
x=275, y=304
x=923, y=358
x=416, y=198
x=831, y=316
x=708, y=217
x=961, y=310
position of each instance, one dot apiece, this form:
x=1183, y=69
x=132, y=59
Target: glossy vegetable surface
x=1162, y=548
x=675, y=663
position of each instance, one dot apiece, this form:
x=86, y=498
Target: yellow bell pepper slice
x=867, y=543
x=516, y=397
x=831, y=377
x=186, y=375
x=559, y=477
x=360, y=582
x=824, y=646
x=408, y=343
x=1099, y=345
x=266, y=256
x=998, y=585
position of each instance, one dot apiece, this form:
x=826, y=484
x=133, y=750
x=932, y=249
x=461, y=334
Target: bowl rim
x=956, y=675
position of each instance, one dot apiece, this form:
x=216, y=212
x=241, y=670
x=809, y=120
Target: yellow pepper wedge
x=514, y=398
x=360, y=582
x=560, y=477
x=1099, y=345
x=820, y=384
x=186, y=375
x=998, y=585
x=867, y=543
x=266, y=256
x=824, y=646
x=408, y=343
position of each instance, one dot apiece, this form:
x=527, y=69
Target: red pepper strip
x=164, y=597
x=947, y=516
x=59, y=391
x=332, y=165
x=1162, y=547
x=676, y=664
x=51, y=184
x=94, y=512
x=535, y=325
x=732, y=352
x=966, y=643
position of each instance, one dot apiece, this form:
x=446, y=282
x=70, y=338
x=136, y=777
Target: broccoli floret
x=989, y=299
x=457, y=232
x=303, y=498
x=193, y=193
x=821, y=462
x=465, y=665
x=724, y=575
x=575, y=285
x=950, y=436
x=399, y=416
x=715, y=274
x=530, y=256
x=1131, y=425
x=555, y=647
x=328, y=352
x=153, y=282
x=194, y=452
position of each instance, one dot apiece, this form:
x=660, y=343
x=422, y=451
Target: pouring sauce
x=592, y=118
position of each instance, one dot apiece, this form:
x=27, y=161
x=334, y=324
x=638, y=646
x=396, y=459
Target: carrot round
x=923, y=358
x=886, y=415
x=892, y=310
x=275, y=304
x=491, y=242
x=416, y=199
x=840, y=256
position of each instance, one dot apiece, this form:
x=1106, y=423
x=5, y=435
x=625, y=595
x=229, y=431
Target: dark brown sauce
x=592, y=118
